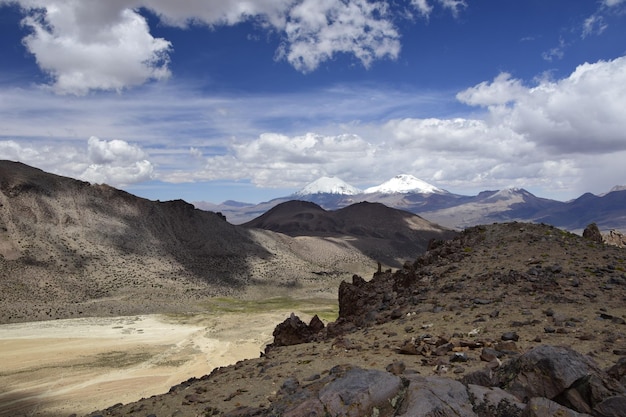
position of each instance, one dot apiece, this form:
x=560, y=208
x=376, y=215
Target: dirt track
x=79, y=365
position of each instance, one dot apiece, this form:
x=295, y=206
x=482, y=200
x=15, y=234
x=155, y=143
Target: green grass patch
x=326, y=309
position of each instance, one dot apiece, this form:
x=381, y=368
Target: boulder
x=436, y=396
x=494, y=402
x=560, y=374
x=294, y=331
x=592, y=232
x=543, y=407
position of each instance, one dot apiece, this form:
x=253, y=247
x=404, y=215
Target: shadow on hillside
x=25, y=403
x=202, y=242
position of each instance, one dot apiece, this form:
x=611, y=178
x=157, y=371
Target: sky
x=212, y=100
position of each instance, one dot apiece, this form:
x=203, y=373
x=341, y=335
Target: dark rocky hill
x=73, y=242
x=388, y=235
x=508, y=319
x=69, y=248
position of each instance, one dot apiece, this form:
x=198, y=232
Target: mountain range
x=448, y=209
x=69, y=248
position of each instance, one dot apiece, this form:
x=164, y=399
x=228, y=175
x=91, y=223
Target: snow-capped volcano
x=404, y=184
x=328, y=185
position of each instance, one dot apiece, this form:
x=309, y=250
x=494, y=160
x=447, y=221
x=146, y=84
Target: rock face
x=615, y=238
x=592, y=232
x=546, y=381
x=294, y=331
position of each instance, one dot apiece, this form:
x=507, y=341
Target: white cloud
x=87, y=45
x=582, y=113
x=593, y=25
x=277, y=160
x=549, y=135
x=611, y=3
x=502, y=90
x=116, y=175
x=454, y=6
x=317, y=30
x=114, y=151
x=423, y=7
x=115, y=162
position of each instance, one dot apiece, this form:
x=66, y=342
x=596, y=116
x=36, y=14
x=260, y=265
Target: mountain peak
x=404, y=184
x=328, y=185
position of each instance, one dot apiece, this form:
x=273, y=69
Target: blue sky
x=251, y=100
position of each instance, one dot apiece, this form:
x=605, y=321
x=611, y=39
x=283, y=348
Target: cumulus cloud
x=543, y=135
x=86, y=45
x=502, y=90
x=114, y=162
x=277, y=160
x=582, y=113
x=317, y=30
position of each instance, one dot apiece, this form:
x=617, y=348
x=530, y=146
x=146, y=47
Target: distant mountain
x=388, y=235
x=456, y=211
x=328, y=185
x=512, y=204
x=403, y=184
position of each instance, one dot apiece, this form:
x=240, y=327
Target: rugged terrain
x=471, y=328
x=388, y=235
x=73, y=249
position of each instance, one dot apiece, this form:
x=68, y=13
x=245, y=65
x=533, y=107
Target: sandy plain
x=61, y=367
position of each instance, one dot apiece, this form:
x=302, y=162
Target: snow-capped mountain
x=404, y=184
x=328, y=185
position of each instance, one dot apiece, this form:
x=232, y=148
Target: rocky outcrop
x=592, y=233
x=615, y=238
x=546, y=381
x=294, y=331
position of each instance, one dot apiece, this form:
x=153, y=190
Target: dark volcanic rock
x=294, y=331
x=560, y=374
x=592, y=232
x=435, y=396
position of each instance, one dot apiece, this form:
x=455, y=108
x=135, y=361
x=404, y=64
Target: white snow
x=403, y=184
x=329, y=185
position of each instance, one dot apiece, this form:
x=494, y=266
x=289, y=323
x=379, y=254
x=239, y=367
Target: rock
x=611, y=407
x=436, y=396
x=358, y=392
x=616, y=238
x=618, y=371
x=459, y=357
x=560, y=374
x=543, y=407
x=316, y=325
x=494, y=402
x=489, y=354
x=510, y=336
x=592, y=233
x=294, y=331
x=396, y=367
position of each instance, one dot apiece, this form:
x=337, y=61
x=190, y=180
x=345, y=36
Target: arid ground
x=79, y=365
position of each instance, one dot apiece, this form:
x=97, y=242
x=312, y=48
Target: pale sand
x=80, y=365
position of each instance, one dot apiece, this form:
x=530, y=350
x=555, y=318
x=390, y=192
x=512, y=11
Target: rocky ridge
x=69, y=248
x=505, y=320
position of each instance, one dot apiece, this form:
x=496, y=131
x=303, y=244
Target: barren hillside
x=71, y=249
x=472, y=328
